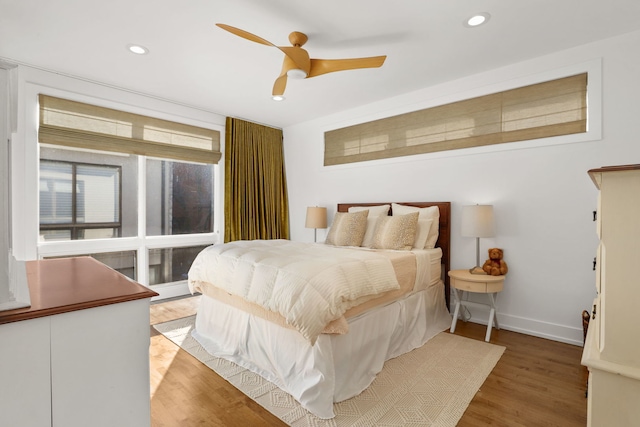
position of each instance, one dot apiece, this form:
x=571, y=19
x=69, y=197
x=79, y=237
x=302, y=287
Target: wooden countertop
x=595, y=174
x=68, y=284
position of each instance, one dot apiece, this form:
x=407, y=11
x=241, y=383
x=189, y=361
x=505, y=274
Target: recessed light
x=277, y=98
x=137, y=49
x=477, y=19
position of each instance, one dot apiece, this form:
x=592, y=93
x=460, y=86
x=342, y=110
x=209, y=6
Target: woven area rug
x=429, y=386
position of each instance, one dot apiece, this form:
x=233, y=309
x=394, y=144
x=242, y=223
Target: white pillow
x=375, y=212
x=395, y=232
x=432, y=213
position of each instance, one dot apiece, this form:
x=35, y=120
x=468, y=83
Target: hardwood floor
x=537, y=382
x=184, y=392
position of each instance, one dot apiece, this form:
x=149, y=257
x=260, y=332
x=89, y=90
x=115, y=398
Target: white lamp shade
x=477, y=221
x=316, y=217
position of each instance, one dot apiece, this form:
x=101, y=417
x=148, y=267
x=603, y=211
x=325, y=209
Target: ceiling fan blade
x=324, y=66
x=298, y=56
x=245, y=34
x=280, y=85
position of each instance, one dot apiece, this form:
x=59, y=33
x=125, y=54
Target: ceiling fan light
x=296, y=73
x=277, y=98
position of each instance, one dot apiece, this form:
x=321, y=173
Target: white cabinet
x=83, y=363
x=612, y=346
x=25, y=391
x=100, y=366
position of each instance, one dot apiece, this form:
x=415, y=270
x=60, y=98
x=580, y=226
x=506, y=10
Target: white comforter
x=309, y=284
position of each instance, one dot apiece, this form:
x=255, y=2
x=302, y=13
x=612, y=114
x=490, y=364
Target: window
x=179, y=198
x=93, y=195
x=79, y=201
x=86, y=194
x=543, y=110
x=135, y=201
x=171, y=264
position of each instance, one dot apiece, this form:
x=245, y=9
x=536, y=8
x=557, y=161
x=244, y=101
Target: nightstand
x=463, y=281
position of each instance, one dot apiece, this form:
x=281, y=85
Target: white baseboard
x=170, y=290
x=536, y=328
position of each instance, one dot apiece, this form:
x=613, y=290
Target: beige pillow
x=374, y=213
x=422, y=233
x=432, y=212
x=396, y=232
x=347, y=229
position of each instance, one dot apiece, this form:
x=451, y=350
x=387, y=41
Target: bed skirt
x=337, y=367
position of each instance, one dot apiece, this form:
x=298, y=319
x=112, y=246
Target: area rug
x=429, y=386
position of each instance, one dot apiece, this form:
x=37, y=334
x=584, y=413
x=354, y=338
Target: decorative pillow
x=422, y=232
x=432, y=212
x=395, y=232
x=374, y=213
x=347, y=229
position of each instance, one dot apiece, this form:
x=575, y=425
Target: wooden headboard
x=444, y=236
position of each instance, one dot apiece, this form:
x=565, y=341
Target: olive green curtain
x=255, y=188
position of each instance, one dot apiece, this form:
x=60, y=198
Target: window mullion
x=142, y=259
x=74, y=200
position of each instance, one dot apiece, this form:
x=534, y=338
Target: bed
x=334, y=355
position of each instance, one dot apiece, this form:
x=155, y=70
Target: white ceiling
x=193, y=62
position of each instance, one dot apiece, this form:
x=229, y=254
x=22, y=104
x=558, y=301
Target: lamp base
x=477, y=270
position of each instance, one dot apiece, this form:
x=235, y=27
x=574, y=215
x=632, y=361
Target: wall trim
x=536, y=328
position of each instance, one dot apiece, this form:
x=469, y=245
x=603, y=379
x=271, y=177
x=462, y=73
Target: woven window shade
x=553, y=108
x=74, y=124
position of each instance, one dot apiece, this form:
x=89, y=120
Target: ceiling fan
x=297, y=63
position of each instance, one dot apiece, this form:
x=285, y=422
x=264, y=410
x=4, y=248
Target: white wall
x=542, y=195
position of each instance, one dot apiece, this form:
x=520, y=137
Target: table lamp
x=316, y=218
x=477, y=221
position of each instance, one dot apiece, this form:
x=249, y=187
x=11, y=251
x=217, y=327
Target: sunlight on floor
x=162, y=352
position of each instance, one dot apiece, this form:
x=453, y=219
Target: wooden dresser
x=79, y=356
x=612, y=345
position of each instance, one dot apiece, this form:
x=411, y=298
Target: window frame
x=25, y=156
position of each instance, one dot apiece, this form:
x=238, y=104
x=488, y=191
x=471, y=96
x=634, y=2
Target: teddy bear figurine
x=495, y=265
